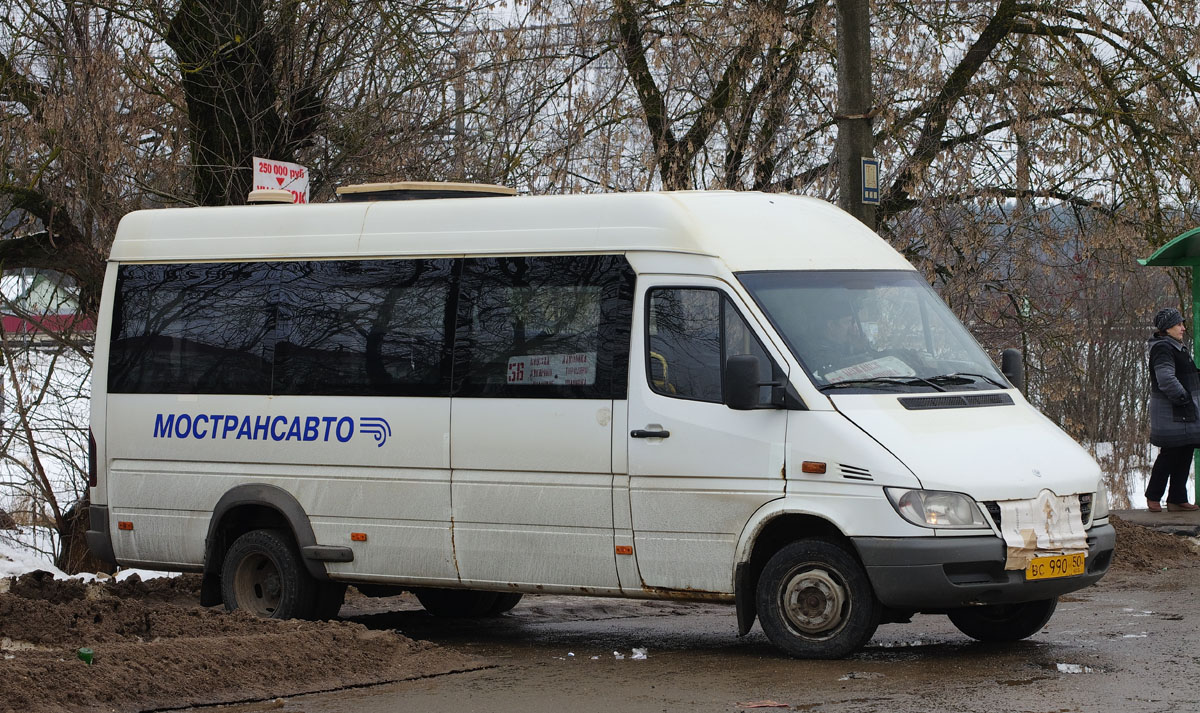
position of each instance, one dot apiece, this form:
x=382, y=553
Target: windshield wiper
x=965, y=377
x=883, y=381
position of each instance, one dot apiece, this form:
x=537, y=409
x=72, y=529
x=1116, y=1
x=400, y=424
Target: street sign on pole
x=870, y=181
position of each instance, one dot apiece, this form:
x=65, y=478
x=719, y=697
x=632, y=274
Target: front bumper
x=930, y=574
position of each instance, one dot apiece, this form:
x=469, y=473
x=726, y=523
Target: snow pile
x=17, y=557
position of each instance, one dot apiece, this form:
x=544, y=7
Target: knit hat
x=1166, y=318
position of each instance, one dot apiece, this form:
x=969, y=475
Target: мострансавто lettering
x=219, y=426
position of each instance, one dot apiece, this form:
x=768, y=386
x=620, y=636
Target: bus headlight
x=936, y=508
x=1100, y=504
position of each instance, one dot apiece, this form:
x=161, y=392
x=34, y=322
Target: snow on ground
x=18, y=557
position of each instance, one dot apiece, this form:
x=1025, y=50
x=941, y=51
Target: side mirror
x=741, y=382
x=1013, y=367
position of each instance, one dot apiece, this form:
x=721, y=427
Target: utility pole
x=855, y=139
x=460, y=110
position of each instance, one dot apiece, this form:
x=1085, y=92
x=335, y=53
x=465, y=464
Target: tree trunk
x=226, y=56
x=854, y=137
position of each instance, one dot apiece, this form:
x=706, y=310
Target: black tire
x=504, y=603
x=330, y=597
x=264, y=575
x=815, y=601
x=1004, y=622
x=456, y=603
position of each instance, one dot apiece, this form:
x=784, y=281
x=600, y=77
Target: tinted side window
x=684, y=343
x=738, y=339
x=690, y=334
x=364, y=328
x=546, y=327
x=193, y=329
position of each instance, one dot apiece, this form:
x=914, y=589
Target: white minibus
x=737, y=397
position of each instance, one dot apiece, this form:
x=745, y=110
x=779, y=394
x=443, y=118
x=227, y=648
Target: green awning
x=1182, y=250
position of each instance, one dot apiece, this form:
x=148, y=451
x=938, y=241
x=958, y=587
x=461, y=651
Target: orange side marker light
x=358, y=536
x=812, y=466
x=624, y=549
x=124, y=525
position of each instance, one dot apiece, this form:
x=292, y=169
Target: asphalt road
x=1128, y=644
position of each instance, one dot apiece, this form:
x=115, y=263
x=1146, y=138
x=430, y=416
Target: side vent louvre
x=851, y=472
x=921, y=403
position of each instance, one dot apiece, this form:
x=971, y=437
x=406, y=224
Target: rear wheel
x=264, y=574
x=815, y=601
x=457, y=603
x=1004, y=622
x=504, y=603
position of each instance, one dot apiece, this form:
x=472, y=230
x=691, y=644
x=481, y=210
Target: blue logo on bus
x=237, y=427
x=375, y=427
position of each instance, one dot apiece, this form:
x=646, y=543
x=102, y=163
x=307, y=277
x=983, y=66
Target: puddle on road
x=860, y=675
x=898, y=644
x=1074, y=668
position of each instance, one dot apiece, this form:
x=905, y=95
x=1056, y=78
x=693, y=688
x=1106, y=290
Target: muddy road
x=1128, y=644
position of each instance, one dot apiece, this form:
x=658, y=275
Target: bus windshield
x=872, y=330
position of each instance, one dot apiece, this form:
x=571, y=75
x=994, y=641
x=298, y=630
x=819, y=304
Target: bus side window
x=690, y=334
x=739, y=339
x=203, y=328
x=544, y=327
x=364, y=327
x=684, y=343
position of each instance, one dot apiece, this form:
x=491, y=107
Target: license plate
x=1057, y=566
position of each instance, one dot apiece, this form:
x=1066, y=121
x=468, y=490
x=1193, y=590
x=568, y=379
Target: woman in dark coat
x=1174, y=415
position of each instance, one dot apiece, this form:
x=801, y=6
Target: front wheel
x=815, y=601
x=1004, y=622
x=264, y=574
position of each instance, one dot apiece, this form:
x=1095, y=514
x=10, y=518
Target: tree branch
x=929, y=142
x=629, y=33
x=15, y=87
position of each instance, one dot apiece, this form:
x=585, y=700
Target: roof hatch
x=420, y=190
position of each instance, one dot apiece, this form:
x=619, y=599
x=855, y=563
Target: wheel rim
x=257, y=585
x=815, y=602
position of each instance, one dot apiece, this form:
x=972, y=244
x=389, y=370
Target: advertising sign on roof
x=289, y=176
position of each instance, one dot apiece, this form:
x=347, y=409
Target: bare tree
x=114, y=106
x=1029, y=150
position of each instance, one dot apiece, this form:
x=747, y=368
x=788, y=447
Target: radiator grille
x=1085, y=509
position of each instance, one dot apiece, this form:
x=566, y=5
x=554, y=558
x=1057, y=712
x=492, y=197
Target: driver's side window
x=690, y=333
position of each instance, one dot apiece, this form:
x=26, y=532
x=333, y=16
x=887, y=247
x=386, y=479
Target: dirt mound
x=154, y=646
x=1142, y=549
x=42, y=586
x=184, y=589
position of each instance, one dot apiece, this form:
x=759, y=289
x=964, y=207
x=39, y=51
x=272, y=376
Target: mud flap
x=745, y=598
x=210, y=590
